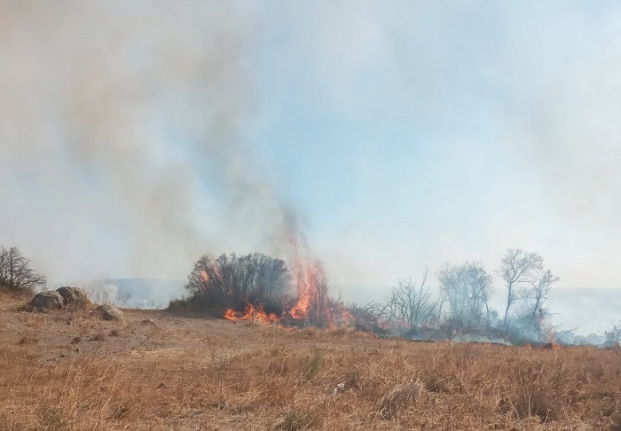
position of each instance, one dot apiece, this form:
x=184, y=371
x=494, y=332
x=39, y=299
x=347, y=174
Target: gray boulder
x=109, y=312
x=73, y=297
x=49, y=300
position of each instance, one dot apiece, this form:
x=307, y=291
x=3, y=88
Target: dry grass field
x=155, y=371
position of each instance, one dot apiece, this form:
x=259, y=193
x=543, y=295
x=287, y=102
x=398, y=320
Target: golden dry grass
x=197, y=374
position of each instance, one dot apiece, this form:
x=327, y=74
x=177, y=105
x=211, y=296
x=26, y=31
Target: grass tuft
x=401, y=396
x=296, y=421
x=314, y=364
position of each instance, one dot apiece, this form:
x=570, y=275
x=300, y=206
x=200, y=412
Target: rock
x=47, y=300
x=109, y=312
x=148, y=322
x=74, y=297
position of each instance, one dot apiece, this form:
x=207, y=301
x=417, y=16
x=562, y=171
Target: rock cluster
x=73, y=298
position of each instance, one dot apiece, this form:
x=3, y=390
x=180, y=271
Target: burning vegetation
x=261, y=288
x=265, y=289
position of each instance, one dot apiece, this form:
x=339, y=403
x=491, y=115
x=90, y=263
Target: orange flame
x=300, y=309
x=313, y=302
x=306, y=273
x=204, y=276
x=230, y=314
x=251, y=313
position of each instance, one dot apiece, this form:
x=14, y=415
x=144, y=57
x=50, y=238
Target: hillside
x=156, y=371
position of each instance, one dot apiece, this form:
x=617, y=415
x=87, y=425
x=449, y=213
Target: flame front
x=251, y=313
x=300, y=309
x=313, y=306
x=308, y=275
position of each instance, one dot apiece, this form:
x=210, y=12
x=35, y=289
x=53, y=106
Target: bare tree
x=272, y=278
x=535, y=315
x=612, y=336
x=467, y=289
x=518, y=268
x=16, y=273
x=319, y=297
x=411, y=303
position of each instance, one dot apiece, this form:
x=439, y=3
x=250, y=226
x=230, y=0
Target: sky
x=393, y=136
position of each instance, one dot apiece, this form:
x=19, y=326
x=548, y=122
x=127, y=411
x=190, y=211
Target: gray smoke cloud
x=122, y=129
x=464, y=128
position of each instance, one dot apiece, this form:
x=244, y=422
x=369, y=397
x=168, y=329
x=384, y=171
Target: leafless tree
x=535, y=315
x=16, y=273
x=612, y=336
x=518, y=269
x=467, y=289
x=410, y=303
x=319, y=303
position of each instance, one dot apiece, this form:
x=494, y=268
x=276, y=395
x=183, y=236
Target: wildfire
x=205, y=277
x=300, y=309
x=251, y=313
x=313, y=304
x=311, y=284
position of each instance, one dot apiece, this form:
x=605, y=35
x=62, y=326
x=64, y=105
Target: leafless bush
x=105, y=297
x=612, y=336
x=410, y=303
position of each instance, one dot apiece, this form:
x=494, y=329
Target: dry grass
x=188, y=374
x=398, y=398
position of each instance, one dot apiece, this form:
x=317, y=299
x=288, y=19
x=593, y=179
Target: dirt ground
x=155, y=371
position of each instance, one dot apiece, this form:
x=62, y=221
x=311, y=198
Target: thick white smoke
x=122, y=129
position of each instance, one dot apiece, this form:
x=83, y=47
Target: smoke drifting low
x=122, y=128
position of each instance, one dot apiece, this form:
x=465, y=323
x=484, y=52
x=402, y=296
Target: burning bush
x=259, y=287
x=233, y=282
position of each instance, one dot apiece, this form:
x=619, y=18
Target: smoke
x=555, y=108
x=123, y=131
x=458, y=130
x=136, y=137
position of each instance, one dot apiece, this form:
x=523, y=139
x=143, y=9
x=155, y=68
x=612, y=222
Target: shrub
x=232, y=281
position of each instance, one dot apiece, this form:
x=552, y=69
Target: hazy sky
x=395, y=135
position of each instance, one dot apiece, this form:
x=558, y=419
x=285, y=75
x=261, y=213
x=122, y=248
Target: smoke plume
x=123, y=137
